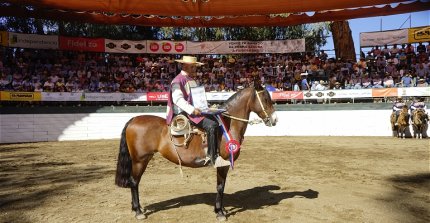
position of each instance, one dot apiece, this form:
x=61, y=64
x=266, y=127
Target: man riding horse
x=397, y=107
x=180, y=102
x=417, y=104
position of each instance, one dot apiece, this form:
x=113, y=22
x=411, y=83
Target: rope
x=180, y=163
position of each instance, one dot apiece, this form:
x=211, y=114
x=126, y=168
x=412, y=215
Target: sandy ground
x=276, y=179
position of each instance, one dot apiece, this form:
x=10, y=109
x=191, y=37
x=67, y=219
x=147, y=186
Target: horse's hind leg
x=138, y=168
x=219, y=205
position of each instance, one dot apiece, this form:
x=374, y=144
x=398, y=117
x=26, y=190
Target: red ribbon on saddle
x=232, y=146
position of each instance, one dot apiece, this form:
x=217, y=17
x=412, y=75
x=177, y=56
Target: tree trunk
x=342, y=39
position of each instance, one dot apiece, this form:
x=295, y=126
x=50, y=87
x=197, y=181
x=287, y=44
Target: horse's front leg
x=219, y=205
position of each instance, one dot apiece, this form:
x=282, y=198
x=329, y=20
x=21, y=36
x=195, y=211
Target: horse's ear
x=257, y=84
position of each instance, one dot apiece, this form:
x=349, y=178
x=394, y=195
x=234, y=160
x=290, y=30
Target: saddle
x=181, y=128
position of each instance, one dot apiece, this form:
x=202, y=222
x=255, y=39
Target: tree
x=342, y=39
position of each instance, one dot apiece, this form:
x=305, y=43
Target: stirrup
x=220, y=162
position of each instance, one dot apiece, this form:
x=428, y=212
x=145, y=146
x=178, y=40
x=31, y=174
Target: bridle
x=266, y=119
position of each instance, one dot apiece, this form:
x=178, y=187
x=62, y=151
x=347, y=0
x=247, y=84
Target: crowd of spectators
x=66, y=71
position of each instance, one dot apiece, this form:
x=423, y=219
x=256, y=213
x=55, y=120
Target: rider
x=397, y=107
x=180, y=101
x=417, y=104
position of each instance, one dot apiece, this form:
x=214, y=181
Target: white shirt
x=180, y=104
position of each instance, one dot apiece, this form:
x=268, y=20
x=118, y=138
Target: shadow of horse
x=240, y=201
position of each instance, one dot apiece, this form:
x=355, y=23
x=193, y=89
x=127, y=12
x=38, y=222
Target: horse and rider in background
x=419, y=118
x=399, y=117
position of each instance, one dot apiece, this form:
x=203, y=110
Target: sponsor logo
x=125, y=46
x=140, y=46
x=179, y=47
x=319, y=94
x=167, y=47
x=21, y=96
x=422, y=33
x=154, y=47
x=81, y=43
x=308, y=94
x=110, y=45
x=331, y=94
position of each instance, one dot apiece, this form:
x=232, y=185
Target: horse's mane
x=234, y=98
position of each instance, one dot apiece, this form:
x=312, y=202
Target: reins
x=251, y=122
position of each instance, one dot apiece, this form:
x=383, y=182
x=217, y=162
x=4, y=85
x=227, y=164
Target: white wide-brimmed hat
x=189, y=60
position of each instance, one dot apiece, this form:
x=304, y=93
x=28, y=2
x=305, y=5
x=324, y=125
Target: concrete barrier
x=85, y=126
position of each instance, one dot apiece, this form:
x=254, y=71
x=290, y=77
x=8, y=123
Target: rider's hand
x=197, y=112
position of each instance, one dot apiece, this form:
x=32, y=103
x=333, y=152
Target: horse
x=402, y=122
x=144, y=135
x=419, y=123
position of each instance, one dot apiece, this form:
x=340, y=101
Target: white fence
x=54, y=127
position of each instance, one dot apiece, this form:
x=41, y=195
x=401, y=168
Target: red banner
x=285, y=95
x=82, y=44
x=157, y=96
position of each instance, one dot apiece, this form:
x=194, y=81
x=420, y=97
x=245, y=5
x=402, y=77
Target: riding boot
x=213, y=150
x=212, y=144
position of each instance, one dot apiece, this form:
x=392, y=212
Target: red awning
x=225, y=21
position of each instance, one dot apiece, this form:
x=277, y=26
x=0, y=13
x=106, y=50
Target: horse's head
x=420, y=117
x=262, y=105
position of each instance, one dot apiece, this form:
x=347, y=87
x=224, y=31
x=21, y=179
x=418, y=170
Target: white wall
x=54, y=127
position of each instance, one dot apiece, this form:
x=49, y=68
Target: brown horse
x=419, y=123
x=402, y=122
x=145, y=135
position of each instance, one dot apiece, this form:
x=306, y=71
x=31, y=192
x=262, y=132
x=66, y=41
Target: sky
x=373, y=24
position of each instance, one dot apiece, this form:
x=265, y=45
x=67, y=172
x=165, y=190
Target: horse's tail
x=123, y=167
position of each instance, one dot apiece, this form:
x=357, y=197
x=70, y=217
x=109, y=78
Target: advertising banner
x=240, y=47
x=61, y=96
x=101, y=97
x=420, y=34
x=82, y=44
x=20, y=96
x=384, y=92
x=4, y=38
x=125, y=46
x=381, y=38
x=33, y=41
x=414, y=91
x=132, y=96
x=166, y=47
x=286, y=95
x=157, y=96
x=355, y=93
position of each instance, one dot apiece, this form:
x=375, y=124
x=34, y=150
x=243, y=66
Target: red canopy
x=206, y=13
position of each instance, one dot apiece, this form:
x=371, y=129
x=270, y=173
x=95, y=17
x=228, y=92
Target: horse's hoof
x=221, y=218
x=140, y=216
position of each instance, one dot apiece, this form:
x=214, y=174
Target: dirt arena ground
x=276, y=179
